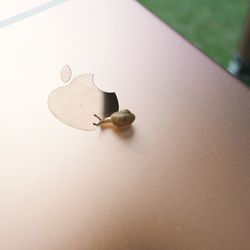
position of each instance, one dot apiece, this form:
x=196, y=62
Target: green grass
x=212, y=25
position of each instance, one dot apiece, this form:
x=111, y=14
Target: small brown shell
x=122, y=118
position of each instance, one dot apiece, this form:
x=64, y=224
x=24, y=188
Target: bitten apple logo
x=76, y=103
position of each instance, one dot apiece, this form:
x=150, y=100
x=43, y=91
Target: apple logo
x=76, y=103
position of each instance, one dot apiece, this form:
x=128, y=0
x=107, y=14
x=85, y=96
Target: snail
x=120, y=119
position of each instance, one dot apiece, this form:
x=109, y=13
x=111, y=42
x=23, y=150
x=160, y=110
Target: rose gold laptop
x=178, y=179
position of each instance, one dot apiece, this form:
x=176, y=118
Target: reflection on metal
x=76, y=103
x=32, y=12
x=120, y=119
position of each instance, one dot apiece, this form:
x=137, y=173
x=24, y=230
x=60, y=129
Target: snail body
x=120, y=119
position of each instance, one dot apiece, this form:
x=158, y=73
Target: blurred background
x=214, y=26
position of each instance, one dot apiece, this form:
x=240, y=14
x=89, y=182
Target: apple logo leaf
x=66, y=74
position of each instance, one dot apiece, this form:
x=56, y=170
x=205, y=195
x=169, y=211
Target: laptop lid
x=177, y=179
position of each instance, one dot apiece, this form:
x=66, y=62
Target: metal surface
x=180, y=179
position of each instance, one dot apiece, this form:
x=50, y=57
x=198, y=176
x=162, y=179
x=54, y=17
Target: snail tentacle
x=95, y=115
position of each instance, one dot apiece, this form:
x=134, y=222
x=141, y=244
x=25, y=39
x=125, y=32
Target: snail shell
x=122, y=118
